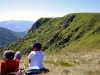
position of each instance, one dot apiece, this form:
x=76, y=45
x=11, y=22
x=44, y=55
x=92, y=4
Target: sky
x=32, y=10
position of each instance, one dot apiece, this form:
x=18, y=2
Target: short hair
x=37, y=45
x=9, y=55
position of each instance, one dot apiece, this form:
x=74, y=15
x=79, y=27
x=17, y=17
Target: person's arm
x=2, y=68
x=16, y=70
x=1, y=72
x=29, y=57
x=29, y=60
x=17, y=66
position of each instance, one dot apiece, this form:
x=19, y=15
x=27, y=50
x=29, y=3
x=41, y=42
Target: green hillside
x=71, y=32
x=7, y=36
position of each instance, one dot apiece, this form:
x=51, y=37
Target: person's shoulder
x=41, y=52
x=16, y=60
x=3, y=62
x=32, y=52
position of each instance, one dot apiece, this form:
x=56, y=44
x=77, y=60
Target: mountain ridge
x=7, y=36
x=16, y=25
x=72, y=32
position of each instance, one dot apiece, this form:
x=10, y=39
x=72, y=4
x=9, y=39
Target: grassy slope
x=71, y=32
x=71, y=63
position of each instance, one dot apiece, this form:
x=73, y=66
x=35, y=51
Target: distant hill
x=16, y=26
x=22, y=34
x=79, y=31
x=7, y=36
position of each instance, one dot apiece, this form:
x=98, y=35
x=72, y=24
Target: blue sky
x=34, y=9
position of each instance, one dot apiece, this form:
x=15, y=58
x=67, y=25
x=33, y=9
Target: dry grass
x=81, y=63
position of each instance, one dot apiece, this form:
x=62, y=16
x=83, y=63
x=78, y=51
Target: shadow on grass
x=45, y=70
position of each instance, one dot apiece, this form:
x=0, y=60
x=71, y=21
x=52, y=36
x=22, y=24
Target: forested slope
x=7, y=36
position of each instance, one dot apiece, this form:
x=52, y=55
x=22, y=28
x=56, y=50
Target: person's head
x=36, y=46
x=9, y=55
x=5, y=51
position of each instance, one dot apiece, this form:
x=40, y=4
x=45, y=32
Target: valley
x=13, y=30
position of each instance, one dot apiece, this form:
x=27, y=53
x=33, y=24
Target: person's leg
x=33, y=71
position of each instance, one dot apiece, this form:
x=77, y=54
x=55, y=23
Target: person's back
x=36, y=59
x=9, y=64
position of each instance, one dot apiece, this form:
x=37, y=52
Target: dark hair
x=9, y=54
x=37, y=45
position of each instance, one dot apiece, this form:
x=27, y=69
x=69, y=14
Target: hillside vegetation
x=68, y=33
x=7, y=36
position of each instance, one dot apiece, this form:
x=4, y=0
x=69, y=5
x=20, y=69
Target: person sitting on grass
x=17, y=55
x=35, y=58
x=9, y=64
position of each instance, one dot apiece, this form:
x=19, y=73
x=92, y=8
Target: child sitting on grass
x=17, y=55
x=9, y=64
x=35, y=57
